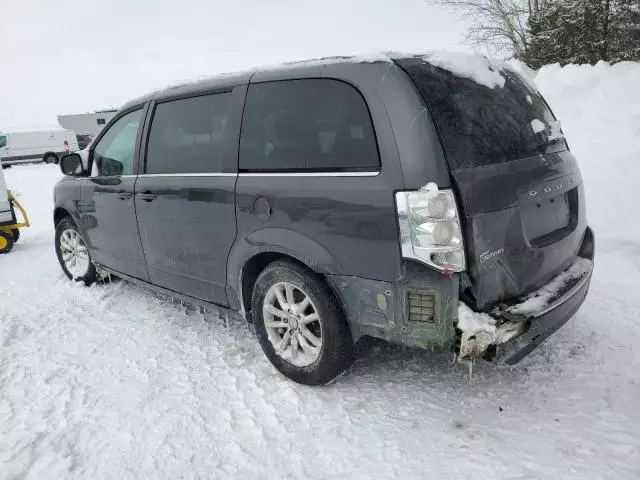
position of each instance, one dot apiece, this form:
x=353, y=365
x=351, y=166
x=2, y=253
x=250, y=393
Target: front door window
x=113, y=155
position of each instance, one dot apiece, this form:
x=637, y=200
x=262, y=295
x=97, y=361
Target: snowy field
x=115, y=382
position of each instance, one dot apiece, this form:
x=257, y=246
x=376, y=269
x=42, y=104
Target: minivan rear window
x=484, y=126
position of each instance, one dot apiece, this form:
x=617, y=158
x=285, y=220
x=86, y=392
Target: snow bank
x=468, y=65
x=599, y=107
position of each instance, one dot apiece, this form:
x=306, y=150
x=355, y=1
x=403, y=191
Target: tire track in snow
x=115, y=382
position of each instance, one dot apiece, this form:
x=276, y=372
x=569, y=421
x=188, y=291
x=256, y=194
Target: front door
x=107, y=208
x=185, y=198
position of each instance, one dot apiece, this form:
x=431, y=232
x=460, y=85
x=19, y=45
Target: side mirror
x=71, y=164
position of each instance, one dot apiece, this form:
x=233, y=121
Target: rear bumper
x=542, y=326
x=382, y=310
x=550, y=318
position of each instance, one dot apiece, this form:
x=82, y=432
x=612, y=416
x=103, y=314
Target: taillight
x=430, y=230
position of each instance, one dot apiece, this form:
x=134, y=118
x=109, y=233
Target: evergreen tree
x=584, y=31
x=624, y=31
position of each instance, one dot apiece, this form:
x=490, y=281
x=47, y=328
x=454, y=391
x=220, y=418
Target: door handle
x=147, y=196
x=124, y=195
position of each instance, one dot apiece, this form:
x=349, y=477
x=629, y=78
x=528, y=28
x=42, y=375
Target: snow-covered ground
x=114, y=382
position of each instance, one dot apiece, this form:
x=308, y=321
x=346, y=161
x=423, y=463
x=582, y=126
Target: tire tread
x=337, y=344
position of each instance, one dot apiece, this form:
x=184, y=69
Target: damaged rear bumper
x=520, y=328
x=543, y=324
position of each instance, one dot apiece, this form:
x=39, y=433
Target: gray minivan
x=332, y=199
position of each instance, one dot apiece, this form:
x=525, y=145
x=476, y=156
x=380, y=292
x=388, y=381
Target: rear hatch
x=518, y=186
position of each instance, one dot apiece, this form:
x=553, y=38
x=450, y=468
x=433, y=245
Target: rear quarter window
x=307, y=125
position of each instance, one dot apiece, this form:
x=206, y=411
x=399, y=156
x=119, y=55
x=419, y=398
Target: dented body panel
x=524, y=223
x=380, y=309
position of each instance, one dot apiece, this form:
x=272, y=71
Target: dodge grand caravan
x=399, y=198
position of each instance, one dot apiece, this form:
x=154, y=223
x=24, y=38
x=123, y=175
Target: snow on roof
x=363, y=58
x=473, y=66
x=527, y=74
x=314, y=62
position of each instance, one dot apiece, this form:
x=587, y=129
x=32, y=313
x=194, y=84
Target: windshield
x=3, y=141
x=483, y=126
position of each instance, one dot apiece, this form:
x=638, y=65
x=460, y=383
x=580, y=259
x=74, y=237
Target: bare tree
x=499, y=26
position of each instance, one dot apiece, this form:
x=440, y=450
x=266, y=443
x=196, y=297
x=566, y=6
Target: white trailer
x=87, y=123
x=26, y=146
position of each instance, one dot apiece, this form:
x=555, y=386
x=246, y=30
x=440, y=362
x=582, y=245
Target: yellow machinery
x=10, y=225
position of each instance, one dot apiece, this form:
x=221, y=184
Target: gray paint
x=194, y=235
x=502, y=216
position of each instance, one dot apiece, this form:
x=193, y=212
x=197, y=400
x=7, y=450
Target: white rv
x=46, y=145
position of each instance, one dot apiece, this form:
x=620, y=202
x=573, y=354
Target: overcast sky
x=74, y=56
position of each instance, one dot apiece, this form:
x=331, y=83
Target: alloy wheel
x=292, y=323
x=74, y=253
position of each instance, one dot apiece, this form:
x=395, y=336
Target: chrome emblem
x=550, y=188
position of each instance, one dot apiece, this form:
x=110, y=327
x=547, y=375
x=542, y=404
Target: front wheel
x=300, y=325
x=73, y=254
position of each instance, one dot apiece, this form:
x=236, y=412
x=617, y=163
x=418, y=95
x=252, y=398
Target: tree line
x=540, y=32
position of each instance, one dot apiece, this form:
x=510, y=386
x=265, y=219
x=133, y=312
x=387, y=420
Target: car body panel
x=108, y=215
x=527, y=229
x=187, y=232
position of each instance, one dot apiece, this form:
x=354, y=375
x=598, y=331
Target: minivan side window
x=190, y=135
x=3, y=141
x=307, y=125
x=114, y=154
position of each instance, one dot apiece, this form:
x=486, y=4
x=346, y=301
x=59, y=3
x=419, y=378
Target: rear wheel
x=16, y=234
x=6, y=241
x=299, y=324
x=50, y=158
x=73, y=254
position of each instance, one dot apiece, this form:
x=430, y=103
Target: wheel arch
x=66, y=210
x=250, y=255
x=59, y=213
x=252, y=269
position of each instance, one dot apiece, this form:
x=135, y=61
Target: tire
x=313, y=364
x=15, y=232
x=83, y=270
x=50, y=158
x=6, y=242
